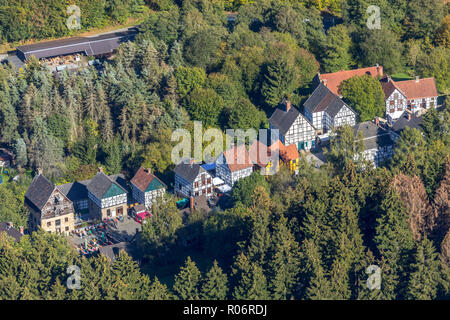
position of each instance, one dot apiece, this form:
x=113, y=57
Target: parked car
x=142, y=216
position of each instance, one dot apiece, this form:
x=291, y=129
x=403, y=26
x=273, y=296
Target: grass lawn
x=401, y=77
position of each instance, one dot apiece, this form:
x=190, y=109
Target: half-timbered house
x=192, y=180
x=146, y=187
x=107, y=198
x=234, y=164
x=378, y=144
x=293, y=127
x=325, y=110
x=414, y=95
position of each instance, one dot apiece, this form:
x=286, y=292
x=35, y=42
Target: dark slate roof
x=78, y=190
x=10, y=231
x=374, y=136
x=369, y=129
x=188, y=171
x=75, y=191
x=323, y=99
x=403, y=122
x=101, y=184
x=91, y=46
x=39, y=191
x=283, y=120
x=112, y=251
x=378, y=142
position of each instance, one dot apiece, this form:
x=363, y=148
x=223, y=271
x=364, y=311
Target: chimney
x=39, y=171
x=417, y=78
x=191, y=203
x=191, y=162
x=408, y=116
x=288, y=105
x=100, y=169
x=148, y=170
x=324, y=81
x=10, y=225
x=21, y=230
x=377, y=121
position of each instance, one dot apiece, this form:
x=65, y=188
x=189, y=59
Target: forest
x=309, y=236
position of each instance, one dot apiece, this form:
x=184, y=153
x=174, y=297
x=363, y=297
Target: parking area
x=88, y=240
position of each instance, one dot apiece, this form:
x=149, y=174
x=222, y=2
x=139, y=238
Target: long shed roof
x=91, y=46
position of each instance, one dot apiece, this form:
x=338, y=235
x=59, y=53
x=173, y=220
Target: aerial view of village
x=193, y=150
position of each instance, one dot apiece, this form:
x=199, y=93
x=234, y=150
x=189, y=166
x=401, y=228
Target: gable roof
x=112, y=251
x=415, y=89
x=237, y=158
x=145, y=181
x=333, y=80
x=323, y=99
x=39, y=191
x=374, y=135
x=283, y=120
x=101, y=186
x=258, y=148
x=289, y=153
x=188, y=171
x=10, y=231
x=413, y=122
x=368, y=129
x=257, y=151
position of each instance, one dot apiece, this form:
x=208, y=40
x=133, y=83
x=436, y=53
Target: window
x=391, y=110
x=209, y=180
x=396, y=95
x=392, y=102
x=108, y=212
x=67, y=228
x=49, y=224
x=66, y=220
x=58, y=222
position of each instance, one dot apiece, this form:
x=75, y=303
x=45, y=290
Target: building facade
x=234, y=164
x=49, y=207
x=377, y=141
x=325, y=110
x=411, y=95
x=293, y=127
x=107, y=199
x=146, y=188
x=191, y=180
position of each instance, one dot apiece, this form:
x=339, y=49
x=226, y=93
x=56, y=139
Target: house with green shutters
x=146, y=188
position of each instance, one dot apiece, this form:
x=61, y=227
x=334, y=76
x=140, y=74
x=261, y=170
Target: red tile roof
x=415, y=89
x=143, y=178
x=289, y=153
x=333, y=80
x=237, y=158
